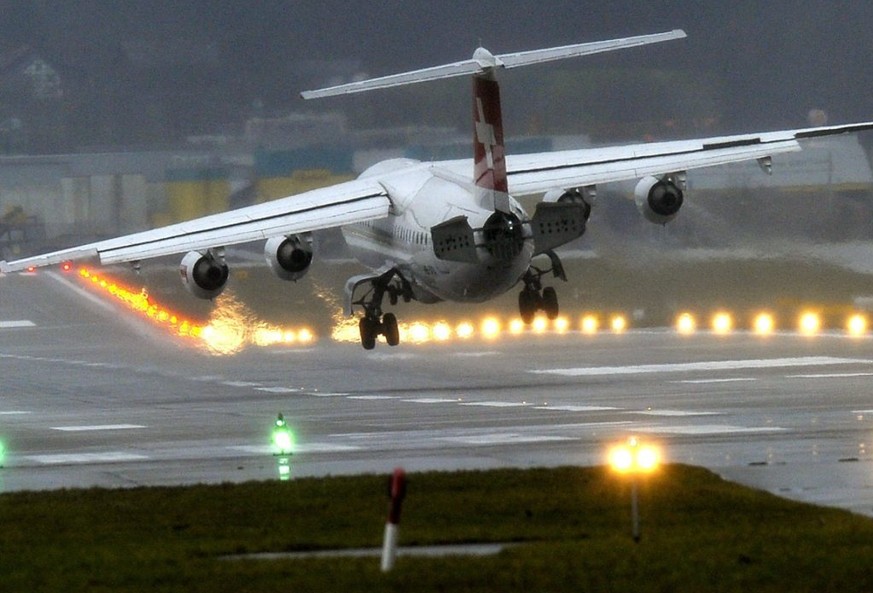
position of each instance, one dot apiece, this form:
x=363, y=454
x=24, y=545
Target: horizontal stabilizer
x=483, y=60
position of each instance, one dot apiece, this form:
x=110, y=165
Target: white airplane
x=446, y=230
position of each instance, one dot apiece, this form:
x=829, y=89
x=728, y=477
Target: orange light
x=634, y=457
x=561, y=325
x=722, y=323
x=810, y=323
x=516, y=327
x=490, y=328
x=465, y=330
x=857, y=325
x=442, y=331
x=685, y=324
x=764, y=324
x=618, y=324
x=540, y=325
x=589, y=324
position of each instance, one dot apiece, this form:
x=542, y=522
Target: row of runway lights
x=229, y=331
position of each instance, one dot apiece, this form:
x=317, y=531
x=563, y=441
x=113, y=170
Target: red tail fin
x=489, y=168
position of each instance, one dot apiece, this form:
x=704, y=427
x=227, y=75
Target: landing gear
x=533, y=297
x=374, y=324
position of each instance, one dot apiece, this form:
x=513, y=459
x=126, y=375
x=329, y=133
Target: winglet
x=478, y=65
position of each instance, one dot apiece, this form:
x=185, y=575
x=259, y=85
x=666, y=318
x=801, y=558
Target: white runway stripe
x=702, y=381
x=69, y=458
x=299, y=448
x=16, y=323
x=715, y=365
x=432, y=400
x=506, y=439
x=496, y=404
x=707, y=429
x=830, y=376
x=15, y=413
x=673, y=413
x=577, y=408
x=97, y=427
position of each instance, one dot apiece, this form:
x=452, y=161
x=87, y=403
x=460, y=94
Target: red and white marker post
x=397, y=491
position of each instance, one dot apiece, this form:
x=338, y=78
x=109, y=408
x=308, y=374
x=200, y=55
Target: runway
x=92, y=396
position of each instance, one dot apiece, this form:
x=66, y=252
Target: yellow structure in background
x=272, y=188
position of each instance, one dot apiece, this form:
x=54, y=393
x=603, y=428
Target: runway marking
x=16, y=324
x=97, y=427
x=300, y=448
x=862, y=411
x=240, y=384
x=111, y=457
x=708, y=429
x=577, y=408
x=497, y=404
x=715, y=365
x=279, y=389
x=702, y=381
x=432, y=400
x=15, y=413
x=506, y=439
x=673, y=413
x=328, y=393
x=829, y=376
x=373, y=397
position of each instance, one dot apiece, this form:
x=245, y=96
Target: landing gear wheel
x=369, y=330
x=550, y=302
x=390, y=330
x=528, y=303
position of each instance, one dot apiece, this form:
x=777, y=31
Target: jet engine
x=289, y=257
x=203, y=275
x=658, y=200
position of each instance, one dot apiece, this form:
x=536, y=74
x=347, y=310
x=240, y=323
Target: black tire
x=550, y=302
x=368, y=329
x=390, y=329
x=527, y=305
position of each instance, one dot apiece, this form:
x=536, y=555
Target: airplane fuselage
x=422, y=196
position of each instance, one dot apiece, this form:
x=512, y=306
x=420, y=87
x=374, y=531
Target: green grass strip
x=572, y=527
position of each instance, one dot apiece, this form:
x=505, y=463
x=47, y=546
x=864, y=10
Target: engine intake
x=658, y=200
x=289, y=257
x=202, y=275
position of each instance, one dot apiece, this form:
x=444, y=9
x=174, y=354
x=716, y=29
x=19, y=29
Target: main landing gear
x=533, y=297
x=374, y=324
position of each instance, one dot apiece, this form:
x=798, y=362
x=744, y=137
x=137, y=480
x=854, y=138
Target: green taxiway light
x=283, y=440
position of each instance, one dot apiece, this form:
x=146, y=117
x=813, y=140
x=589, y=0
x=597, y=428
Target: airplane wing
x=353, y=201
x=531, y=174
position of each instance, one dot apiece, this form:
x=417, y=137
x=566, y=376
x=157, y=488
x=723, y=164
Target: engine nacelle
x=289, y=257
x=584, y=197
x=658, y=200
x=203, y=275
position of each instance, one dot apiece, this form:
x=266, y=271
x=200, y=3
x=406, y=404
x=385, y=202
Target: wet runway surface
x=89, y=395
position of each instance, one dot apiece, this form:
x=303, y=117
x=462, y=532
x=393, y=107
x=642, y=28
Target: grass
x=572, y=526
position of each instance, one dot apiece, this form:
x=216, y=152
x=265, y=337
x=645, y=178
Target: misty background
x=154, y=73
